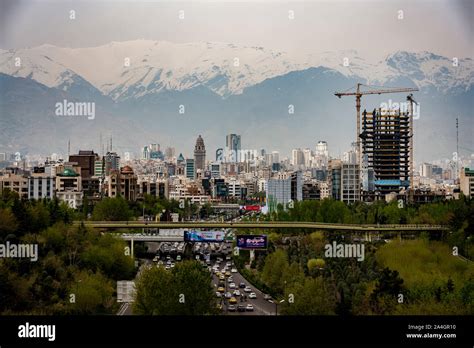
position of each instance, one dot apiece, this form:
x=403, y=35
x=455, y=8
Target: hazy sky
x=370, y=27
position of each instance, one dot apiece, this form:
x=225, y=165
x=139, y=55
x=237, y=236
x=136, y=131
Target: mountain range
x=169, y=93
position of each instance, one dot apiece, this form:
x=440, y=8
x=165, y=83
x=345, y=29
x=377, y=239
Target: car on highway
x=241, y=308
x=267, y=297
x=247, y=289
x=252, y=295
x=227, y=274
x=236, y=293
x=222, y=277
x=233, y=300
x=230, y=280
x=232, y=285
x=249, y=308
x=233, y=270
x=220, y=289
x=231, y=308
x=242, y=285
x=228, y=295
x=218, y=294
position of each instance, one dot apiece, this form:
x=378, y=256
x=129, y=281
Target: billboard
x=204, y=236
x=252, y=241
x=250, y=207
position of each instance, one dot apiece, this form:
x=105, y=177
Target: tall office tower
x=155, y=147
x=297, y=157
x=190, y=171
x=427, y=170
x=233, y=147
x=283, y=189
x=386, y=143
x=85, y=160
x=111, y=162
x=199, y=155
x=275, y=157
x=169, y=152
x=145, y=153
x=321, y=155
x=322, y=148
x=308, y=158
x=344, y=181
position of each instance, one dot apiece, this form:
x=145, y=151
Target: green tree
x=186, y=290
x=275, y=267
x=312, y=297
x=193, y=285
x=107, y=254
x=92, y=293
x=112, y=209
x=8, y=223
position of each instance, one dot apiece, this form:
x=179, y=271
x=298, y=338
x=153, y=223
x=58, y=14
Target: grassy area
x=423, y=263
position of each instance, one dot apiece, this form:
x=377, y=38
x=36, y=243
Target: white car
x=232, y=285
x=218, y=294
x=252, y=295
x=247, y=289
x=249, y=308
x=233, y=270
x=237, y=293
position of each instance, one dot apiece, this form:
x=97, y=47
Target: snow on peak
x=131, y=69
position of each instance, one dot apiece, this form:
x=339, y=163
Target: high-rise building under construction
x=386, y=152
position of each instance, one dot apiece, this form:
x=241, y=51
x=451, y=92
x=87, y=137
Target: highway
x=261, y=306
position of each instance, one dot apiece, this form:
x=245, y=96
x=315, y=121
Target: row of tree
x=184, y=290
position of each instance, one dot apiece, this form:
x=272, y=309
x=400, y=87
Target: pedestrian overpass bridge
x=111, y=225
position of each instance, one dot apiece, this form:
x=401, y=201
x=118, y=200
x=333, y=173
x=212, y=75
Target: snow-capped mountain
x=138, y=102
x=133, y=69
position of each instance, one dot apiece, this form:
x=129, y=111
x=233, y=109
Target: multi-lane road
x=260, y=305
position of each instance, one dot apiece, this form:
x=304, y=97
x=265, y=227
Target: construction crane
x=359, y=93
